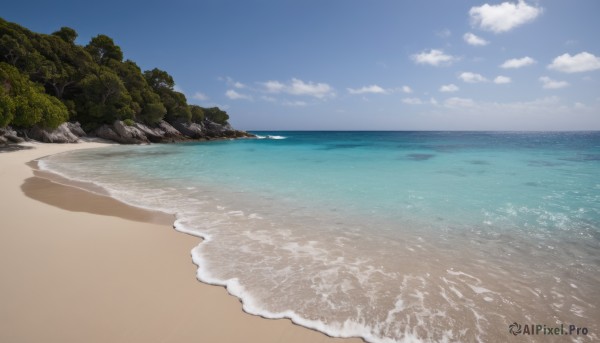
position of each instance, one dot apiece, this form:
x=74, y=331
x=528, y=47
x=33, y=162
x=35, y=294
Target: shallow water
x=391, y=236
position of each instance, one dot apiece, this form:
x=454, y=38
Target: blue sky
x=359, y=65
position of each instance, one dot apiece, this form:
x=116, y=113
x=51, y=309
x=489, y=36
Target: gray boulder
x=163, y=132
x=129, y=133
x=192, y=130
x=8, y=135
x=121, y=133
x=170, y=132
x=62, y=134
x=76, y=129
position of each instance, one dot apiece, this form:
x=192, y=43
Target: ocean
x=389, y=236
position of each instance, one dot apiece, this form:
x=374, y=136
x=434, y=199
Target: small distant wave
x=270, y=137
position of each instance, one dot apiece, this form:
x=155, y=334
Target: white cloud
x=503, y=17
x=502, y=80
x=548, y=83
x=581, y=62
x=459, y=102
x=233, y=95
x=274, y=86
x=515, y=63
x=412, y=101
x=433, y=57
x=373, y=89
x=472, y=77
x=299, y=87
x=536, y=106
x=177, y=89
x=474, y=40
x=294, y=103
x=200, y=96
x=449, y=88
x=268, y=98
x=318, y=90
x=433, y=101
x=407, y=89
x=232, y=83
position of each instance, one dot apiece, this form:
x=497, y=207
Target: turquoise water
x=391, y=236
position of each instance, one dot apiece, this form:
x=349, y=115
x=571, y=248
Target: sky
x=358, y=65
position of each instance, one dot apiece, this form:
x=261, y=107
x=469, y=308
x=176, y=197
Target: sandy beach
x=80, y=267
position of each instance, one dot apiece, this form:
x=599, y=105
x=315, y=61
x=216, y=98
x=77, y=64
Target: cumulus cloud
x=548, y=83
x=268, y=98
x=472, y=77
x=502, y=80
x=373, y=89
x=543, y=105
x=407, y=89
x=294, y=103
x=200, y=96
x=233, y=95
x=412, y=101
x=274, y=86
x=449, y=88
x=232, y=83
x=581, y=62
x=459, y=102
x=299, y=87
x=503, y=17
x=472, y=39
x=515, y=63
x=433, y=57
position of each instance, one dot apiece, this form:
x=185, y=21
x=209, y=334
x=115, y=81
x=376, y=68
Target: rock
x=216, y=130
x=62, y=134
x=162, y=133
x=9, y=135
x=170, y=132
x=108, y=133
x=76, y=129
x=192, y=130
x=129, y=134
x=121, y=133
x=152, y=134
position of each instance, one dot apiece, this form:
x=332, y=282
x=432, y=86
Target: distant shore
x=80, y=267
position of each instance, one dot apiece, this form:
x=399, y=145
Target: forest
x=48, y=79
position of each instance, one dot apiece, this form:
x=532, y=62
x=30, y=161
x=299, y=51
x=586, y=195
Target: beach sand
x=80, y=267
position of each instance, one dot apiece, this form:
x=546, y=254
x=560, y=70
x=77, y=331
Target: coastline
x=78, y=266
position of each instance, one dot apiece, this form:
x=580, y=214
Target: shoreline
x=80, y=266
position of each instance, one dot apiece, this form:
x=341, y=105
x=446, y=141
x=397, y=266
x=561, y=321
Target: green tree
x=7, y=108
x=28, y=104
x=216, y=114
x=67, y=34
x=103, y=49
x=146, y=103
x=103, y=100
x=159, y=80
x=175, y=102
x=197, y=113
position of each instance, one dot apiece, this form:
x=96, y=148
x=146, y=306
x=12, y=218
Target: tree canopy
x=48, y=79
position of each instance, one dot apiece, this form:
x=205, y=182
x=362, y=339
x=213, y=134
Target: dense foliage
x=46, y=80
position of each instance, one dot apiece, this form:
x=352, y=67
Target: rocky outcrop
x=162, y=133
x=8, y=135
x=129, y=134
x=191, y=130
x=62, y=134
x=137, y=133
